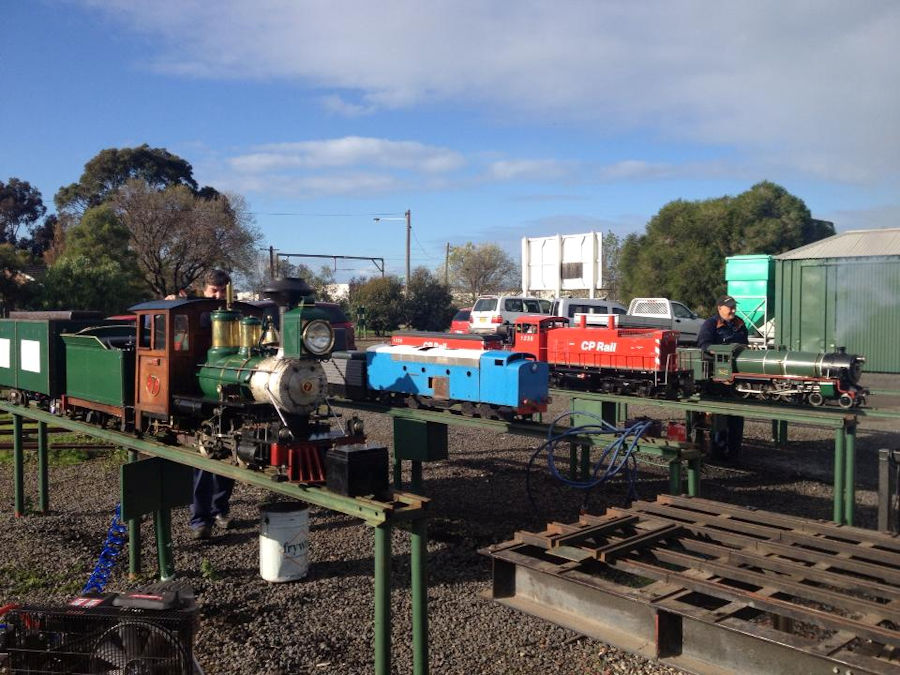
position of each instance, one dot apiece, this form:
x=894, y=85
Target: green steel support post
x=675, y=477
x=162, y=519
x=419, y=588
x=850, y=474
x=134, y=535
x=573, y=461
x=609, y=412
x=416, y=480
x=839, y=461
x=585, y=461
x=383, y=599
x=43, y=473
x=693, y=476
x=781, y=432
x=18, y=466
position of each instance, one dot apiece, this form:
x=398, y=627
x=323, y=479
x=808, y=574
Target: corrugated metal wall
x=851, y=302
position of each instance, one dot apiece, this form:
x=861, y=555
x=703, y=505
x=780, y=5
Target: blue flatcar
x=488, y=383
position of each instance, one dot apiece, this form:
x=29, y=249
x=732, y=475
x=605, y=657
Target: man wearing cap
x=725, y=328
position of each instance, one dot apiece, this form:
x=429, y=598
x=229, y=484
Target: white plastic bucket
x=283, y=541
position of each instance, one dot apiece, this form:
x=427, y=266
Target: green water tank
x=750, y=281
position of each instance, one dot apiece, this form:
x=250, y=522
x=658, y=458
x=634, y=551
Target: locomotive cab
x=723, y=361
x=173, y=336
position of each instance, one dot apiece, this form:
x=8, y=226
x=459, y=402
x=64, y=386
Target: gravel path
x=323, y=624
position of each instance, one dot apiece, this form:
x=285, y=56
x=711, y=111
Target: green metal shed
x=843, y=291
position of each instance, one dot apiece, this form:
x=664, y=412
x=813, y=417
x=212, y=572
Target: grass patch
x=23, y=581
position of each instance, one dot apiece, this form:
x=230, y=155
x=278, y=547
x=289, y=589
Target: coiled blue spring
x=115, y=542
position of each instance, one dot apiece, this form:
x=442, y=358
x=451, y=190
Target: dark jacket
x=717, y=331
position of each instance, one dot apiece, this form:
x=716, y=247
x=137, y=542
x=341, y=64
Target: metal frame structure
x=407, y=511
x=708, y=587
x=843, y=423
x=417, y=434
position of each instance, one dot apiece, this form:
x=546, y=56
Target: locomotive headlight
x=318, y=337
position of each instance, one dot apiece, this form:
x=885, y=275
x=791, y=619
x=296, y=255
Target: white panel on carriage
x=5, y=347
x=30, y=355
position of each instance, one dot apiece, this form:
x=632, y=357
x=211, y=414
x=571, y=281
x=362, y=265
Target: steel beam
x=404, y=509
x=710, y=587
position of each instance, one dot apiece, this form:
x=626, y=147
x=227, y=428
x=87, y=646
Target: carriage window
x=180, y=329
x=146, y=325
x=159, y=331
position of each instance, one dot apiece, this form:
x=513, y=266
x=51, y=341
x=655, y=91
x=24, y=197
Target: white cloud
x=528, y=169
x=806, y=85
x=350, y=151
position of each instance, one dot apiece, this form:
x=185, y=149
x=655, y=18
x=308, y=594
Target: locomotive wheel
x=816, y=399
x=845, y=401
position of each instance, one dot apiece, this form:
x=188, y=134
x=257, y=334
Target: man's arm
x=707, y=334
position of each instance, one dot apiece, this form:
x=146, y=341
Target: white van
x=497, y=313
x=569, y=307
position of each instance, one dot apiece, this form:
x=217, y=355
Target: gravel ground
x=324, y=622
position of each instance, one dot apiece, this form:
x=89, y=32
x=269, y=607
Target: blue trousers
x=211, y=495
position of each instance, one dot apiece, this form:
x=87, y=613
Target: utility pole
x=447, y=266
x=408, y=218
x=408, y=233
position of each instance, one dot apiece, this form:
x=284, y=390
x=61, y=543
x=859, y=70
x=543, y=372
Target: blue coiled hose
x=115, y=542
x=617, y=457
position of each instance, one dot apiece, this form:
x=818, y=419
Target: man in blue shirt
x=725, y=328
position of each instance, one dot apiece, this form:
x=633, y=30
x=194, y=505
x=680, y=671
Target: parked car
x=569, y=307
x=497, y=313
x=461, y=320
x=657, y=313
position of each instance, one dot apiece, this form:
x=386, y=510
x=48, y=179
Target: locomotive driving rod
x=406, y=510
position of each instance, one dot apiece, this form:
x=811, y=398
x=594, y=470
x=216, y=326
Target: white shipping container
x=563, y=263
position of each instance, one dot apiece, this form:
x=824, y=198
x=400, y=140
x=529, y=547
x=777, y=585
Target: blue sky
x=490, y=121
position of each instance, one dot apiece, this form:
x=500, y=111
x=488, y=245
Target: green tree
x=16, y=289
x=383, y=300
x=682, y=252
x=111, y=168
x=100, y=236
x=486, y=268
x=612, y=249
x=20, y=204
x=86, y=282
x=42, y=237
x=100, y=233
x=428, y=302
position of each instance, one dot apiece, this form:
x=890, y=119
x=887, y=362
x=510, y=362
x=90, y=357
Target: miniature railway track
x=706, y=586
